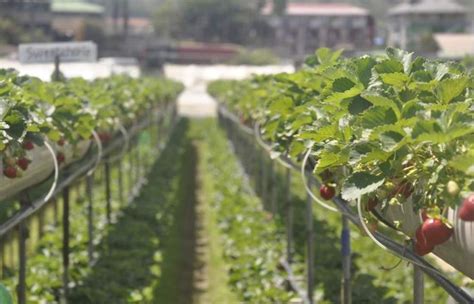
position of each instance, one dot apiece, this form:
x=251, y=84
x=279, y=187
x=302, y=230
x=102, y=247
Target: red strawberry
x=60, y=157
x=23, y=163
x=466, y=213
x=435, y=231
x=327, y=192
x=28, y=145
x=61, y=142
x=10, y=172
x=421, y=245
x=105, y=137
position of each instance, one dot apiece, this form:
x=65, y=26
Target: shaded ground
x=147, y=256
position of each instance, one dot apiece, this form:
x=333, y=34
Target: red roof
x=319, y=9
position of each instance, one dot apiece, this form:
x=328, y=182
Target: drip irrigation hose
x=308, y=190
x=126, y=138
x=99, y=153
x=56, y=172
x=458, y=293
x=374, y=239
x=267, y=148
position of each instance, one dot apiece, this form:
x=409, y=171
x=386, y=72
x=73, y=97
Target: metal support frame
x=18, y=223
x=90, y=217
x=108, y=193
x=120, y=182
x=289, y=219
x=346, y=292
x=310, y=247
x=418, y=285
x=273, y=189
x=229, y=120
x=22, y=259
x=66, y=235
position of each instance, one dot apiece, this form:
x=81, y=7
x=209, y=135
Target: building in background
x=76, y=19
x=34, y=14
x=413, y=23
x=454, y=45
x=304, y=27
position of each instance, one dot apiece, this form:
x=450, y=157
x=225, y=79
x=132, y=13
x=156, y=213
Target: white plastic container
x=40, y=168
x=458, y=251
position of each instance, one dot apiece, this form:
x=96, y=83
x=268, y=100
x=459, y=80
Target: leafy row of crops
x=32, y=111
x=381, y=129
x=252, y=242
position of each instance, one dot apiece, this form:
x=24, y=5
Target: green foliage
x=32, y=110
x=389, y=119
x=252, y=242
x=5, y=296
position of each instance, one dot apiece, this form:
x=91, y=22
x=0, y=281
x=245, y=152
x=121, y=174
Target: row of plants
x=67, y=112
x=44, y=277
x=131, y=255
x=382, y=280
x=390, y=130
x=251, y=240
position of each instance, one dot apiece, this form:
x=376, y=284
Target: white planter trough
x=40, y=168
x=458, y=251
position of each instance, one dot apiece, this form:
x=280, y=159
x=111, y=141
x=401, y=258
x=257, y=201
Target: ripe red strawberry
x=28, y=145
x=60, y=157
x=105, y=137
x=327, y=192
x=23, y=163
x=466, y=213
x=10, y=172
x=421, y=245
x=435, y=231
x=61, y=142
x=372, y=203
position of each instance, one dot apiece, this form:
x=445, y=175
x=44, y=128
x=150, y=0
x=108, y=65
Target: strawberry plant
x=396, y=126
x=67, y=112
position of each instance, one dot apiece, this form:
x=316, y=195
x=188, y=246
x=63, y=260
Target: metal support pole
x=23, y=235
x=289, y=219
x=22, y=230
x=90, y=217
x=310, y=245
x=2, y=257
x=346, y=261
x=108, y=196
x=273, y=189
x=41, y=224
x=120, y=182
x=55, y=212
x=263, y=186
x=418, y=285
x=138, y=160
x=66, y=233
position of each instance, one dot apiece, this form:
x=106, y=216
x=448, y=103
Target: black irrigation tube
x=453, y=290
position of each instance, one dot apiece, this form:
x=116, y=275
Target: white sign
x=66, y=51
